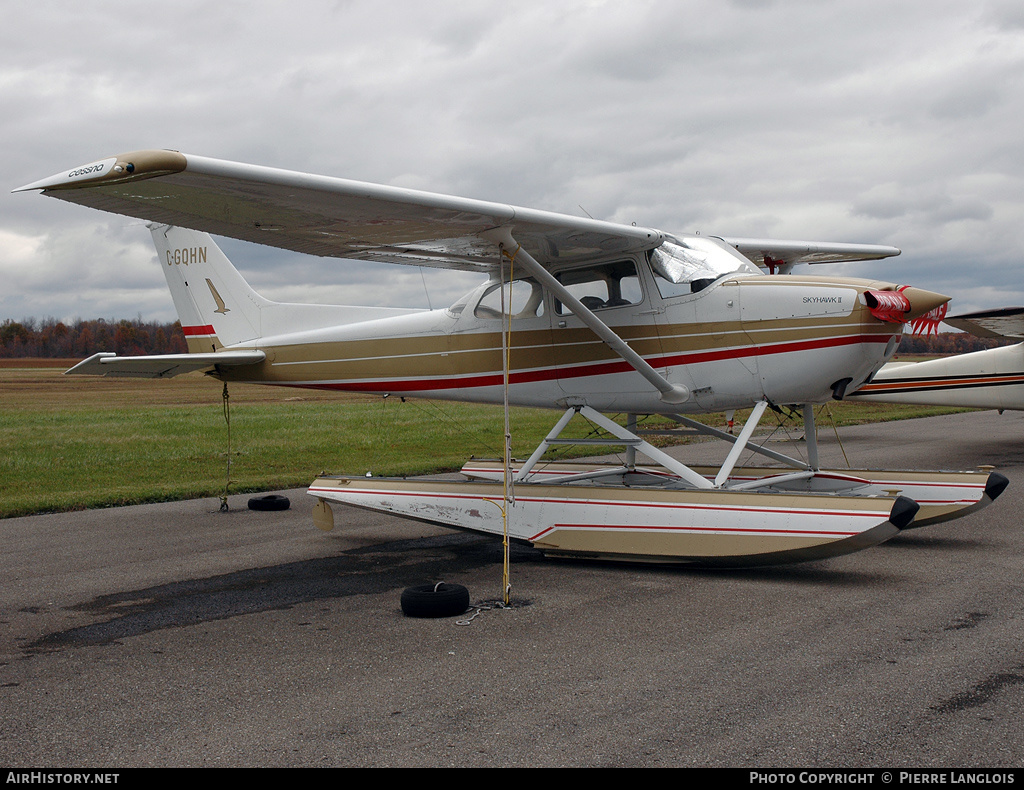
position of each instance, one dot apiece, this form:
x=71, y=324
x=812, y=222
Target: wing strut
x=670, y=393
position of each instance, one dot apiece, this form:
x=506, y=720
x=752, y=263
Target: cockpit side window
x=521, y=299
x=600, y=287
x=692, y=264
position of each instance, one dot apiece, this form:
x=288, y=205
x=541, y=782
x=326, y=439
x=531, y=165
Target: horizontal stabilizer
x=161, y=366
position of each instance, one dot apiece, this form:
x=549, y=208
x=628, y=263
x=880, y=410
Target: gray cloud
x=848, y=121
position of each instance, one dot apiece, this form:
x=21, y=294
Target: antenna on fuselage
x=425, y=291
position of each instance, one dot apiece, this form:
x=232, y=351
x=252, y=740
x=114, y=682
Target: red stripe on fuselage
x=594, y=369
x=941, y=383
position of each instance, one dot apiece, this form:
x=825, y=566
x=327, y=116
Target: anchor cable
x=508, y=486
x=226, y=407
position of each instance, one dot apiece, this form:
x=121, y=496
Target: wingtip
x=124, y=167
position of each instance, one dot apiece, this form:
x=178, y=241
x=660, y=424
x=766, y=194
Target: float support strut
x=741, y=443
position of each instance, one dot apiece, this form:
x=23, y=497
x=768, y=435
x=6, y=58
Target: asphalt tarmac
x=178, y=635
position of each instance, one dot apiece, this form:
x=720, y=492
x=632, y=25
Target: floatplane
x=580, y=315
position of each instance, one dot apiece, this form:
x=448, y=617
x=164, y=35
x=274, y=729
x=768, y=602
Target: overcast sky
x=854, y=121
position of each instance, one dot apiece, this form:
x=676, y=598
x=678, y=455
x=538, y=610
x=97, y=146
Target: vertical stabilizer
x=215, y=305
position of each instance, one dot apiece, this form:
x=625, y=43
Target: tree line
x=946, y=343
x=50, y=338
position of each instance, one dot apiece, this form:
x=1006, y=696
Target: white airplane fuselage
x=742, y=339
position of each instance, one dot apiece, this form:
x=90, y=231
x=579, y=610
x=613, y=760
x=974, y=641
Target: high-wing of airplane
x=990, y=379
x=579, y=315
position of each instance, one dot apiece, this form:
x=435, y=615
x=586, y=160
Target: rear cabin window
x=521, y=299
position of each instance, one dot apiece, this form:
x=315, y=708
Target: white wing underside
x=339, y=218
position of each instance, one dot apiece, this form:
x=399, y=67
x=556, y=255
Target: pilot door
x=588, y=369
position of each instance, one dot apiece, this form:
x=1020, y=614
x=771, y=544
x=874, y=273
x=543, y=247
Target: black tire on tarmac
x=269, y=502
x=435, y=600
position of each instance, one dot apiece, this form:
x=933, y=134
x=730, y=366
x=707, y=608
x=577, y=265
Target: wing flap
x=161, y=366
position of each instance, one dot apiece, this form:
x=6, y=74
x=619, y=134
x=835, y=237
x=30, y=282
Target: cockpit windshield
x=691, y=264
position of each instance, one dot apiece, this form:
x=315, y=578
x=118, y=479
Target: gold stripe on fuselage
x=554, y=349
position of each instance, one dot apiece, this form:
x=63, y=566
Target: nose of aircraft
x=903, y=304
x=922, y=301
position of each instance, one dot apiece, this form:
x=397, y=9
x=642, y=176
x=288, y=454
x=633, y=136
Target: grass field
x=71, y=442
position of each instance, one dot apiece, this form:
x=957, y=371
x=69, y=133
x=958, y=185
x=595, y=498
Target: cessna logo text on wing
x=98, y=168
x=185, y=256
